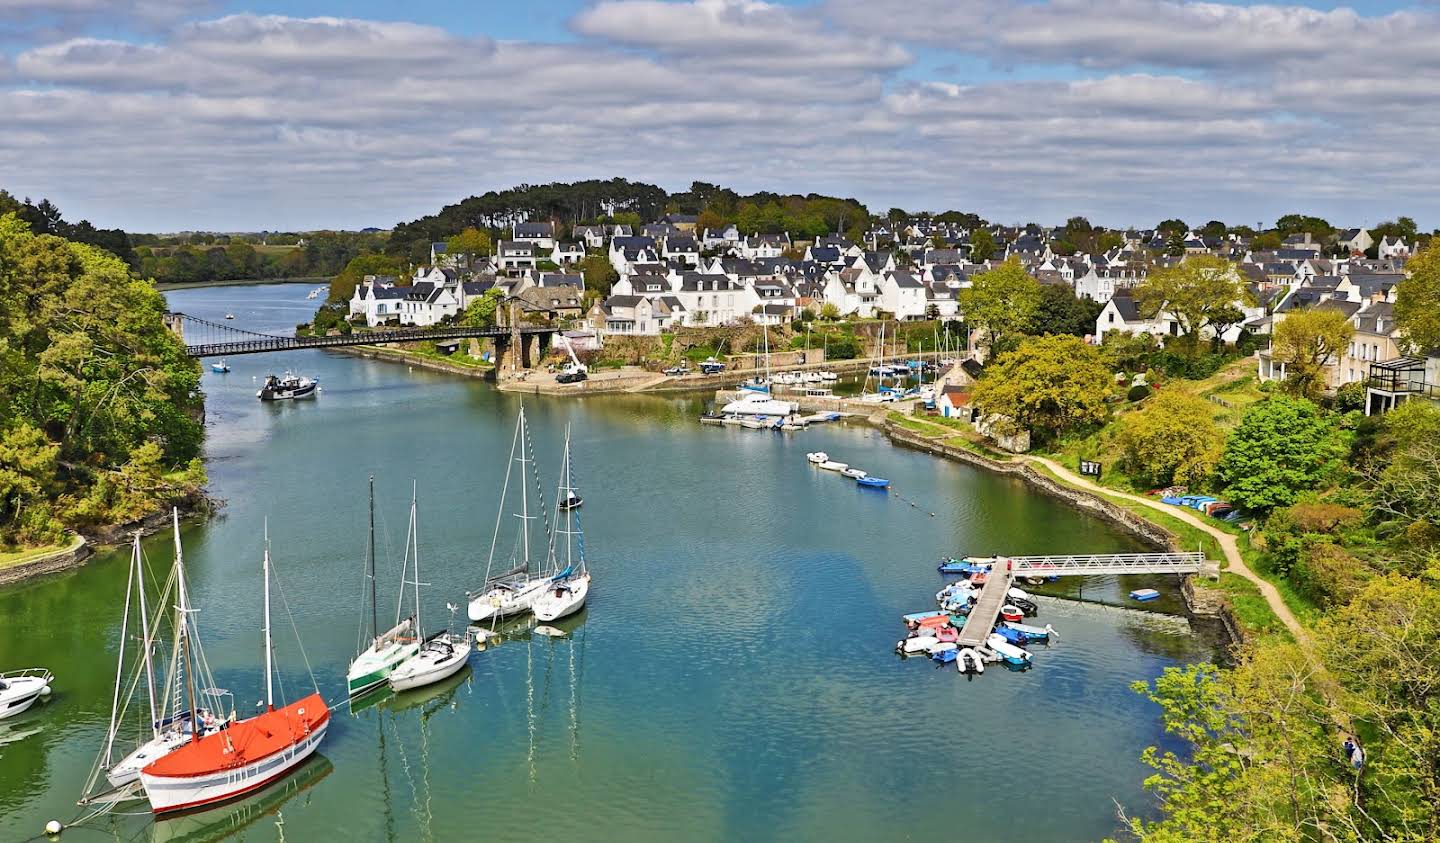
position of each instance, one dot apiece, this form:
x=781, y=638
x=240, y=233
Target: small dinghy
x=944, y=653
x=873, y=482
x=963, y=565
x=549, y=631
x=918, y=644
x=1015, y=636
x=1011, y=613
x=1039, y=633
x=947, y=634
x=1143, y=594
x=1007, y=651
x=917, y=617
x=854, y=473
x=19, y=689
x=219, y=367
x=979, y=577
x=832, y=465
x=572, y=501
x=969, y=661
x=229, y=316
x=817, y=457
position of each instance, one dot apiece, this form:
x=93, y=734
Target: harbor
x=786, y=589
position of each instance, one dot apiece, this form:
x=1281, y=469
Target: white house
x=903, y=295
x=681, y=247
x=1392, y=248
x=1354, y=240
x=712, y=300
x=720, y=238
x=377, y=299
x=764, y=245
x=514, y=254
x=541, y=234
x=1121, y=313
x=593, y=236
x=564, y=254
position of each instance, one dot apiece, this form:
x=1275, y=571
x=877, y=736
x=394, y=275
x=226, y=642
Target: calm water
x=731, y=679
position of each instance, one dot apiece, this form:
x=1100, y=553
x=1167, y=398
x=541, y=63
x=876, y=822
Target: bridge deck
x=260, y=343
x=981, y=620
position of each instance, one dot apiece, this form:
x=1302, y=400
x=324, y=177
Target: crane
x=575, y=367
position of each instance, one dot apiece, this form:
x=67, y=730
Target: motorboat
x=817, y=457
x=832, y=465
x=287, y=386
x=229, y=316
x=873, y=482
x=1007, y=651
x=572, y=501
x=819, y=392
x=219, y=367
x=854, y=473
x=828, y=376
x=1039, y=633
x=753, y=405
x=19, y=689
x=965, y=565
x=1011, y=613
x=440, y=657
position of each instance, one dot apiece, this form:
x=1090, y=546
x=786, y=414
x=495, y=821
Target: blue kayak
x=874, y=482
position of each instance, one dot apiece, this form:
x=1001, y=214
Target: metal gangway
x=981, y=620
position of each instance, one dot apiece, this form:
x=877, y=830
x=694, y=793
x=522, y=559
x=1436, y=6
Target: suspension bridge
x=993, y=594
x=204, y=338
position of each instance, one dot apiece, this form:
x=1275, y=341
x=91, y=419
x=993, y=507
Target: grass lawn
x=11, y=556
x=1250, y=608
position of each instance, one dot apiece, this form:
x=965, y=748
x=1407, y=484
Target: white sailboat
x=372, y=665
x=570, y=586
x=189, y=680
x=511, y=592
x=442, y=654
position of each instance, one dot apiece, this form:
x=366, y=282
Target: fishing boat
x=189, y=686
x=245, y=756
x=854, y=473
x=832, y=465
x=571, y=585
x=443, y=653
x=385, y=650
x=1007, y=651
x=512, y=591
x=219, y=367
x=19, y=689
x=873, y=482
x=286, y=387
x=817, y=457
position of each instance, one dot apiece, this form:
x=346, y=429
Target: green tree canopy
x=342, y=286
x=1282, y=448
x=1060, y=311
x=1002, y=302
x=1194, y=292
x=469, y=244
x=1047, y=386
x=982, y=245
x=481, y=312
x=1172, y=439
x=1306, y=341
x=1417, y=300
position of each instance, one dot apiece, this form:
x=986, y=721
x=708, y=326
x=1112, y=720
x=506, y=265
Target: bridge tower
x=175, y=324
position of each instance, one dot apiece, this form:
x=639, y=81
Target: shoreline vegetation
x=317, y=280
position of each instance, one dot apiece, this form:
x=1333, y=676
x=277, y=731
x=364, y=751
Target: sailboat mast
x=569, y=511
x=145, y=635
x=415, y=545
x=119, y=670
x=374, y=615
x=269, y=687
x=524, y=492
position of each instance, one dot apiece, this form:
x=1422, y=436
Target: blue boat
x=962, y=565
x=1173, y=500
x=945, y=656
x=874, y=482
x=1015, y=636
x=219, y=367
x=1144, y=594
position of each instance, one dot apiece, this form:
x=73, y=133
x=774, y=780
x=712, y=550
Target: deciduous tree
x=1283, y=447
x=1048, y=385
x=1002, y=302
x=1194, y=292
x=982, y=245
x=469, y=244
x=1306, y=341
x=1417, y=300
x=1172, y=439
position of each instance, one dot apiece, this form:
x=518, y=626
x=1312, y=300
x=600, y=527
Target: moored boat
x=246, y=755
x=832, y=465
x=385, y=650
x=1007, y=651
x=817, y=457
x=570, y=586
x=286, y=387
x=511, y=592
x=873, y=482
x=19, y=689
x=219, y=367
x=854, y=473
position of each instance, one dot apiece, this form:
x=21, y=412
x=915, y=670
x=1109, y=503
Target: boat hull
x=371, y=668
x=414, y=674
x=549, y=606
x=171, y=789
x=22, y=693
x=496, y=604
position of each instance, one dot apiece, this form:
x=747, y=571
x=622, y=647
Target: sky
x=242, y=115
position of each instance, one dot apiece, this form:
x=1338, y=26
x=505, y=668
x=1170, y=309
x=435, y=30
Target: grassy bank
x=243, y=282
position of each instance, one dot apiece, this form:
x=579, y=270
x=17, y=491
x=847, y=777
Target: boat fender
x=45, y=691
x=53, y=828
x=1050, y=630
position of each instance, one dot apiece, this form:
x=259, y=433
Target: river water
x=732, y=678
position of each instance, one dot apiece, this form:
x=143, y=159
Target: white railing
x=1107, y=563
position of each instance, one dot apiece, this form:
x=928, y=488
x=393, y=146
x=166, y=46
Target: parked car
x=677, y=371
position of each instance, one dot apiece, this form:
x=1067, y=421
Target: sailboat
x=161, y=732
x=246, y=755
x=513, y=591
x=569, y=588
x=442, y=654
x=760, y=383
x=372, y=665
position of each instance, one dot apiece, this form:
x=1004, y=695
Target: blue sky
x=179, y=114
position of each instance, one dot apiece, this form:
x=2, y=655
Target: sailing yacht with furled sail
x=444, y=653
x=247, y=754
x=571, y=585
x=372, y=665
x=188, y=681
x=512, y=591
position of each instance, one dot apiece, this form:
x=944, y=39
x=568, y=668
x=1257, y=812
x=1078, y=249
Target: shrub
x=1350, y=397
x=1139, y=392
x=1322, y=517
x=1174, y=439
x=1328, y=575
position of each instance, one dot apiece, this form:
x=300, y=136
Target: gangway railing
x=1105, y=563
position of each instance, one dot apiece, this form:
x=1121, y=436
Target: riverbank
x=27, y=564
x=244, y=282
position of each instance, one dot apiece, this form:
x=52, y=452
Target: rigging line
x=280, y=586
